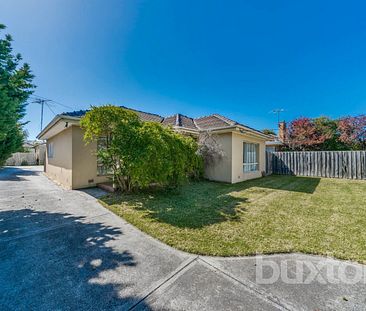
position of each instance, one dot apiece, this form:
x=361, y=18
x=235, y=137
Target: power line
x=51, y=100
x=49, y=107
x=41, y=102
x=48, y=102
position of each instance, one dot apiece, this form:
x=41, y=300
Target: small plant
x=24, y=163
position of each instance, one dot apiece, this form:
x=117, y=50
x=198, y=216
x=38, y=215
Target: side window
x=50, y=150
x=250, y=157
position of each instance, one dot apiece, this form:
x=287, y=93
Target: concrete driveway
x=61, y=250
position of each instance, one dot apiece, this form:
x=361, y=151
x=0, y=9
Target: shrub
x=140, y=153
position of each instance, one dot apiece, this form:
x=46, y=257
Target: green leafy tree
x=15, y=88
x=140, y=153
x=268, y=132
x=329, y=129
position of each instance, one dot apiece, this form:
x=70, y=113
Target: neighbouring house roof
x=32, y=143
x=274, y=140
x=178, y=121
x=274, y=143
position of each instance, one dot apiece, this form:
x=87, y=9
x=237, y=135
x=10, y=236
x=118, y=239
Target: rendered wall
x=84, y=161
x=59, y=167
x=221, y=169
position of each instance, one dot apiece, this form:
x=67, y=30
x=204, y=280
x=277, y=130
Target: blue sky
x=238, y=58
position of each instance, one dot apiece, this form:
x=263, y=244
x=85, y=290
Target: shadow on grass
x=288, y=183
x=185, y=208
x=71, y=267
x=205, y=203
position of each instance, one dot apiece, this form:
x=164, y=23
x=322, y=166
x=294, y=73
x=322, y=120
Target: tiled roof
x=76, y=114
x=144, y=116
x=180, y=120
x=214, y=121
x=172, y=120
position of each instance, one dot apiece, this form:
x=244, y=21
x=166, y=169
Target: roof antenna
x=278, y=111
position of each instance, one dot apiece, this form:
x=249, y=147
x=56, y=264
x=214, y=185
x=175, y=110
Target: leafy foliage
x=324, y=133
x=15, y=88
x=303, y=134
x=353, y=131
x=268, y=132
x=140, y=153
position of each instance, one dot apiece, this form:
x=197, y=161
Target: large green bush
x=140, y=153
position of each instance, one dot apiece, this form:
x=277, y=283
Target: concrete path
x=61, y=250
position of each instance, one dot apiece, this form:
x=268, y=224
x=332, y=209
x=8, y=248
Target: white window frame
x=250, y=157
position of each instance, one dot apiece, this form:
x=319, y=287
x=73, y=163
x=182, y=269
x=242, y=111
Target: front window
x=102, y=169
x=250, y=157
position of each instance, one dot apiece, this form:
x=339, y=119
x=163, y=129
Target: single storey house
x=73, y=164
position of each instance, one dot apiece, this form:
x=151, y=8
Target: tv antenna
x=278, y=111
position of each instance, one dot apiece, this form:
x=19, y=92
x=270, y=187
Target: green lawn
x=276, y=214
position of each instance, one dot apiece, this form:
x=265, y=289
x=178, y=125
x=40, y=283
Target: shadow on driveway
x=75, y=266
x=13, y=173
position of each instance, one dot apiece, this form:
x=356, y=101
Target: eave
x=46, y=132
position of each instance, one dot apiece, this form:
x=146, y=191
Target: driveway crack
x=253, y=288
x=182, y=267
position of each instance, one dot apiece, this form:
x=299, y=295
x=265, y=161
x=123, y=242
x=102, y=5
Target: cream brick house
x=73, y=164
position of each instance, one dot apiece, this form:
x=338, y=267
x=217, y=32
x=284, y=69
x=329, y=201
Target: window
x=250, y=157
x=50, y=150
x=102, y=169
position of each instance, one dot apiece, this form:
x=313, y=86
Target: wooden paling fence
x=333, y=164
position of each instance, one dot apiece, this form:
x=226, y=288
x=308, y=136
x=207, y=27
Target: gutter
x=54, y=121
x=255, y=132
x=241, y=128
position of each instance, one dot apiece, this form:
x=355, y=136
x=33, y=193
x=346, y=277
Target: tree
x=323, y=133
x=140, y=153
x=15, y=88
x=303, y=134
x=329, y=129
x=268, y=132
x=353, y=132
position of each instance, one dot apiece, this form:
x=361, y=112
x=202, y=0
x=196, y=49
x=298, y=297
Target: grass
x=276, y=214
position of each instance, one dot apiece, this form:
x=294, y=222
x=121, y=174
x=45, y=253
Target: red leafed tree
x=303, y=134
x=352, y=131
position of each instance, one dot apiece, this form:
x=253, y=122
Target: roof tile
x=213, y=121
